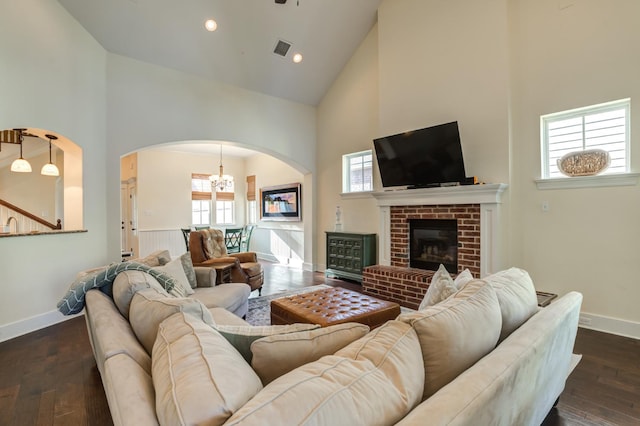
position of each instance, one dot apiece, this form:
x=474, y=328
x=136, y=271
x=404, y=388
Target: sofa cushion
x=516, y=296
x=111, y=333
x=176, y=270
x=222, y=316
x=149, y=308
x=127, y=283
x=199, y=377
x=157, y=258
x=276, y=355
x=230, y=296
x=241, y=337
x=375, y=380
x=456, y=333
x=252, y=268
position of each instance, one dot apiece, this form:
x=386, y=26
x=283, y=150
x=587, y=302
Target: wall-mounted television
x=420, y=158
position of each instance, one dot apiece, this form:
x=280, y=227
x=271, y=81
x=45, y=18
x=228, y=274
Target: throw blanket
x=73, y=301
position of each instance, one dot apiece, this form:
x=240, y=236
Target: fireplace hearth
x=433, y=242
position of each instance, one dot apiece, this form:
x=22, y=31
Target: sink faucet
x=9, y=222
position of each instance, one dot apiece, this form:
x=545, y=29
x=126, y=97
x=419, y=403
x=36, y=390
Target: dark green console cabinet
x=348, y=254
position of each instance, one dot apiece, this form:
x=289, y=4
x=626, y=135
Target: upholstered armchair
x=207, y=248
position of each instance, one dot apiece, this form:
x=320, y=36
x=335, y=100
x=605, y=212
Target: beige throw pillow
x=517, y=297
x=456, y=333
x=276, y=355
x=442, y=286
x=149, y=308
x=375, y=380
x=127, y=283
x=199, y=378
x=242, y=336
x=176, y=270
x=463, y=278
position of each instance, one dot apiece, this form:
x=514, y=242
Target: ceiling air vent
x=282, y=47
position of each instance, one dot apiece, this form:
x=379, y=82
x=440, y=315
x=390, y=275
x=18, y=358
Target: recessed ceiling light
x=211, y=25
x=297, y=58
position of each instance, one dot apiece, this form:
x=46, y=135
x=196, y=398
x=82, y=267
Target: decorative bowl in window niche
x=589, y=162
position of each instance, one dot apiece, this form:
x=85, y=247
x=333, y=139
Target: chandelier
x=221, y=182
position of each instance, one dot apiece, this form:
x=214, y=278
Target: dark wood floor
x=49, y=377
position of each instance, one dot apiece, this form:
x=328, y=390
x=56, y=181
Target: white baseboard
x=610, y=325
x=268, y=257
x=28, y=325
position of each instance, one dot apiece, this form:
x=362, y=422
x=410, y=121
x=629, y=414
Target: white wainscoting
x=279, y=244
x=150, y=240
x=282, y=245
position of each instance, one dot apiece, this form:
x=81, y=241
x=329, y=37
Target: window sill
x=621, y=179
x=356, y=195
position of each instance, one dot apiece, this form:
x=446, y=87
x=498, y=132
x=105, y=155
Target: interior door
x=132, y=236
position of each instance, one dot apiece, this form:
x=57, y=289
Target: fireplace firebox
x=433, y=242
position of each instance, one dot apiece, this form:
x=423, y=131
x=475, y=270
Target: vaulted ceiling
x=171, y=33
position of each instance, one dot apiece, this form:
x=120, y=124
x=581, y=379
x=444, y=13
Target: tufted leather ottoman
x=333, y=306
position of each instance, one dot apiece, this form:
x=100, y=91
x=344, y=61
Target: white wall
x=444, y=61
x=347, y=122
x=52, y=76
x=283, y=242
x=563, y=58
x=496, y=66
x=149, y=105
x=164, y=186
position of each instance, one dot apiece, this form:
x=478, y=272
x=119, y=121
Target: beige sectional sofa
x=485, y=355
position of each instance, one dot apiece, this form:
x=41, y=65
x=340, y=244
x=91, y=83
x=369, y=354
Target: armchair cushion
x=214, y=245
x=246, y=257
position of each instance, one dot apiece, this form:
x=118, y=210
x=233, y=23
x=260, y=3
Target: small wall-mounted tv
x=420, y=158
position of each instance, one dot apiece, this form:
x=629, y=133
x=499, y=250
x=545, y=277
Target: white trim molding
x=489, y=196
x=610, y=325
x=621, y=179
x=28, y=325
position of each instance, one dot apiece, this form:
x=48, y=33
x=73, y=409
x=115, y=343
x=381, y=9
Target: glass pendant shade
x=50, y=170
x=21, y=165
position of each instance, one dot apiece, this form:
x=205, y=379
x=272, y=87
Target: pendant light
x=20, y=165
x=50, y=169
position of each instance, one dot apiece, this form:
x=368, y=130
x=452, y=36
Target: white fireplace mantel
x=488, y=196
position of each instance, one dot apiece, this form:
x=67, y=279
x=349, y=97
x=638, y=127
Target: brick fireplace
x=476, y=211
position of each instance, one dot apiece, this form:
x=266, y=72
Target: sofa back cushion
x=157, y=258
x=516, y=296
x=375, y=380
x=128, y=283
x=199, y=378
x=456, y=333
x=149, y=308
x=276, y=355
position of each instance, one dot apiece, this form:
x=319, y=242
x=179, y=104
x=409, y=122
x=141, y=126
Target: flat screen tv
x=421, y=158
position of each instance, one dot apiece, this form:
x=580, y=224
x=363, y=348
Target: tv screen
x=424, y=157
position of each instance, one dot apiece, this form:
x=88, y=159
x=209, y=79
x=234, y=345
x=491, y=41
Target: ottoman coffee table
x=333, y=305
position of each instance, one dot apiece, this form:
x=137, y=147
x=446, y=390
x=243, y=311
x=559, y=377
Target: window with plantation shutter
x=225, y=205
x=603, y=126
x=357, y=170
x=200, y=199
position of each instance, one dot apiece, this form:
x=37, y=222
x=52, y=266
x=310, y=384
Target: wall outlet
x=584, y=320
